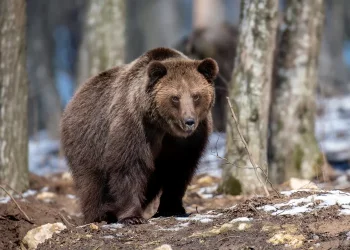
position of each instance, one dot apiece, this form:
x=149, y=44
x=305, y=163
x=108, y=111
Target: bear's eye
x=175, y=99
x=195, y=97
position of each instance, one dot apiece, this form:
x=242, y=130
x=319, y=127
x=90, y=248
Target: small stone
x=46, y=196
x=38, y=235
x=93, y=226
x=243, y=226
x=206, y=180
x=88, y=236
x=66, y=176
x=296, y=183
x=164, y=247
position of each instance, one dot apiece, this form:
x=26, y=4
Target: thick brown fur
x=138, y=129
x=218, y=42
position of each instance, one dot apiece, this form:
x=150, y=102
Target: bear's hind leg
x=90, y=187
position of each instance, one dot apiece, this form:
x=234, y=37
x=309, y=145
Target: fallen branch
x=20, y=209
x=255, y=166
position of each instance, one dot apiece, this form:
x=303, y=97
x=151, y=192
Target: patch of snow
x=241, y=219
x=210, y=162
x=207, y=192
x=26, y=194
x=108, y=237
x=312, y=202
x=29, y=192
x=43, y=155
x=113, y=226
x=204, y=218
x=4, y=200
x=71, y=196
x=269, y=208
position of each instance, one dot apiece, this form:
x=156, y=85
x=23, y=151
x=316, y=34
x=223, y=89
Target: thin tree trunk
x=208, y=13
x=250, y=96
x=44, y=102
x=13, y=96
x=104, y=37
x=294, y=149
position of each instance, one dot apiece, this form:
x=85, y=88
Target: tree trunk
x=250, y=96
x=104, y=38
x=44, y=102
x=13, y=96
x=294, y=149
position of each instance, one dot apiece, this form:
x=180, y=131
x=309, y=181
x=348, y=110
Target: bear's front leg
x=127, y=191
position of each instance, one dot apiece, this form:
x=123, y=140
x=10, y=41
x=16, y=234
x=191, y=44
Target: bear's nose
x=189, y=122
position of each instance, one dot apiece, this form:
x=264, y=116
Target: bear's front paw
x=133, y=221
x=170, y=213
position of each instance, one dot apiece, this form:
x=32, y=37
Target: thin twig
x=9, y=187
x=66, y=221
x=226, y=238
x=250, y=155
x=20, y=209
x=84, y=225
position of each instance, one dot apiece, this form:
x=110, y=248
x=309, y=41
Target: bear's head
x=183, y=92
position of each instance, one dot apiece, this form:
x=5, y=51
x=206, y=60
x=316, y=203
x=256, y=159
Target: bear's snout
x=189, y=124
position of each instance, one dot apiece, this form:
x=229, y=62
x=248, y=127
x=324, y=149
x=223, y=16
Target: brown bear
x=136, y=130
x=218, y=42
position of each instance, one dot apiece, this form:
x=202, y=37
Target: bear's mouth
x=183, y=129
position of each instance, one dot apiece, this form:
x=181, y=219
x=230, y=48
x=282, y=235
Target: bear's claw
x=133, y=221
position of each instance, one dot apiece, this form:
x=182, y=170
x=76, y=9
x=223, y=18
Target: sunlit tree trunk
x=250, y=96
x=103, y=39
x=13, y=96
x=294, y=150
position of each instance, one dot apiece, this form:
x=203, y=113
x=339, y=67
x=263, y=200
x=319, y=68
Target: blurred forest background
x=64, y=38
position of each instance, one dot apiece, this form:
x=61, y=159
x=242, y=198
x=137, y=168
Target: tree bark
x=250, y=96
x=294, y=150
x=13, y=96
x=104, y=37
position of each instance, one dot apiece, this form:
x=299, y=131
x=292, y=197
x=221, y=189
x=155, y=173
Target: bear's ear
x=156, y=70
x=209, y=69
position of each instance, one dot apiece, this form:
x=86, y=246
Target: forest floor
x=304, y=219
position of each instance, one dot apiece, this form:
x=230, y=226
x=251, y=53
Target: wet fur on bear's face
x=183, y=92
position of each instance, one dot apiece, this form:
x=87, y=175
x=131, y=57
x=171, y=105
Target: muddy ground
x=216, y=222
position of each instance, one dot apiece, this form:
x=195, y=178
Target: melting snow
x=26, y=194
x=241, y=219
x=204, y=218
x=113, y=226
x=310, y=203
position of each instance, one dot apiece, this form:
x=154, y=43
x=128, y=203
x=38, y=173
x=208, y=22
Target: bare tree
x=13, y=96
x=250, y=96
x=104, y=37
x=294, y=150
